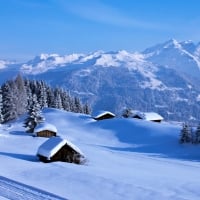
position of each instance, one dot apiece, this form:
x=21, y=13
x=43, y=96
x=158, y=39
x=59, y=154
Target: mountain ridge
x=162, y=78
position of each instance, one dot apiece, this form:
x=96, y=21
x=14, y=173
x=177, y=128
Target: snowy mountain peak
x=157, y=49
x=172, y=43
x=5, y=63
x=188, y=46
x=45, y=62
x=91, y=56
x=181, y=56
x=119, y=58
x=44, y=56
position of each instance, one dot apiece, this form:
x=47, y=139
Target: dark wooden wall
x=46, y=133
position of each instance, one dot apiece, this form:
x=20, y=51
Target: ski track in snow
x=17, y=191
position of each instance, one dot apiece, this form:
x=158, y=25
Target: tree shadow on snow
x=31, y=158
x=19, y=133
x=151, y=139
x=155, y=151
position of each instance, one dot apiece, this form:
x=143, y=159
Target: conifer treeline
x=18, y=95
x=189, y=134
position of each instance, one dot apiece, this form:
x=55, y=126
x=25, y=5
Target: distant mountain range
x=164, y=78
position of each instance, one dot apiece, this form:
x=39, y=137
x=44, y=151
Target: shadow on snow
x=160, y=140
x=26, y=157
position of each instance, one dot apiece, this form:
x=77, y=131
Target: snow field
x=126, y=159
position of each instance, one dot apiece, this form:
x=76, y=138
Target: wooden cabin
x=58, y=149
x=101, y=115
x=45, y=130
x=148, y=116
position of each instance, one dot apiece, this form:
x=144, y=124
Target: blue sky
x=31, y=27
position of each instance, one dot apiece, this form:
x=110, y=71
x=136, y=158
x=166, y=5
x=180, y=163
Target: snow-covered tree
x=77, y=108
x=126, y=113
x=185, y=136
x=1, y=107
x=34, y=116
x=42, y=94
x=9, y=101
x=66, y=100
x=29, y=93
x=57, y=99
x=86, y=109
x=197, y=134
x=21, y=95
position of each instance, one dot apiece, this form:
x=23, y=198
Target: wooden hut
x=58, y=149
x=152, y=116
x=103, y=115
x=148, y=116
x=45, y=130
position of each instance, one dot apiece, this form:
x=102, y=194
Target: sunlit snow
x=126, y=159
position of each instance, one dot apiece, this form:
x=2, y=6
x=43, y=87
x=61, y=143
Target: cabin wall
x=67, y=154
x=107, y=116
x=46, y=133
x=137, y=117
x=156, y=120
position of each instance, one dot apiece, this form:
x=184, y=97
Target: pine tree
x=9, y=101
x=21, y=95
x=57, y=99
x=34, y=116
x=1, y=107
x=192, y=135
x=77, y=105
x=86, y=109
x=42, y=94
x=29, y=93
x=126, y=113
x=185, y=136
x=50, y=97
x=197, y=134
x=65, y=98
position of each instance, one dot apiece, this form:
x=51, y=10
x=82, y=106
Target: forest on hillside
x=19, y=95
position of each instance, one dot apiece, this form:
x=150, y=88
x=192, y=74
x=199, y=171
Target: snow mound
x=45, y=126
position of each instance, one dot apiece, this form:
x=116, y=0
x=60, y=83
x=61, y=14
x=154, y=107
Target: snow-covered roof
x=45, y=126
x=102, y=113
x=149, y=116
x=53, y=145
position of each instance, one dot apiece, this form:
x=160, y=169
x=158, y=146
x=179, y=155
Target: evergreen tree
x=50, y=97
x=126, y=113
x=192, y=135
x=86, y=109
x=34, y=116
x=9, y=101
x=77, y=105
x=185, y=134
x=21, y=95
x=29, y=93
x=65, y=98
x=1, y=107
x=57, y=99
x=197, y=134
x=42, y=94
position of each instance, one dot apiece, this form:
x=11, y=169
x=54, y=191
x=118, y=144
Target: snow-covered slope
x=126, y=159
x=180, y=56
